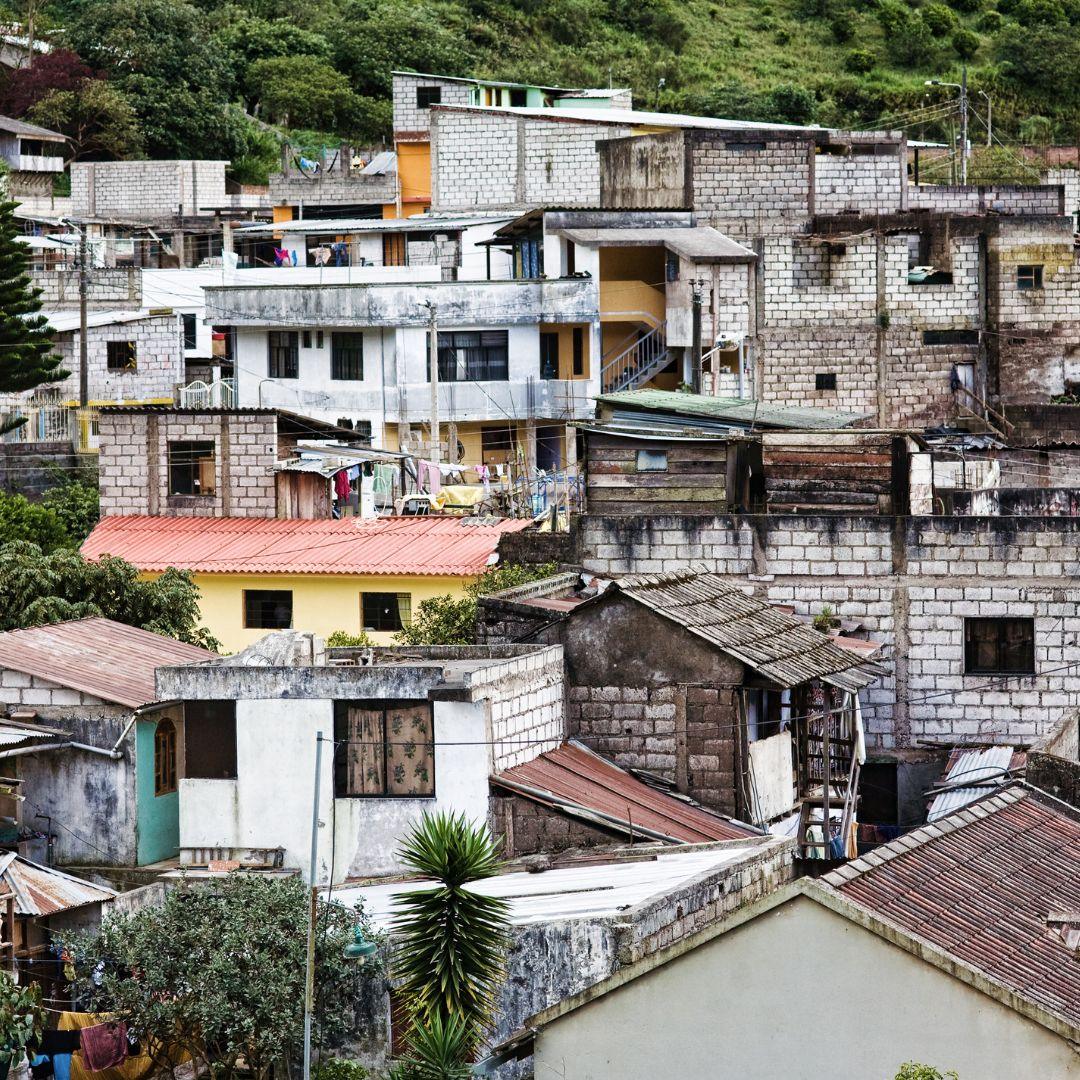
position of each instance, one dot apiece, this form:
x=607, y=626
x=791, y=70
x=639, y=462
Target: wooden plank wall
x=695, y=481
x=828, y=472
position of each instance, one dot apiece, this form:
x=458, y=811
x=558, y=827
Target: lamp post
x=962, y=87
x=358, y=949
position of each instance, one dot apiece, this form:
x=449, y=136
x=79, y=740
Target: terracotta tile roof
x=106, y=659
x=980, y=884
x=576, y=776
x=407, y=545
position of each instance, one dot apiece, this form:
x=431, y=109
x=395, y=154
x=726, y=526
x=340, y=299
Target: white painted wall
x=799, y=993
x=269, y=803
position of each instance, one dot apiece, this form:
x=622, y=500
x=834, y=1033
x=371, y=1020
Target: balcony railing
x=219, y=394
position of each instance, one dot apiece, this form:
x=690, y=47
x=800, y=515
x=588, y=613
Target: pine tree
x=27, y=359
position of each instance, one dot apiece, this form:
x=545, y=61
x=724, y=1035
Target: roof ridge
x=968, y=815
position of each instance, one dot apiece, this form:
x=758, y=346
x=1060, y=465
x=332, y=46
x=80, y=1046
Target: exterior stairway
x=633, y=365
x=830, y=785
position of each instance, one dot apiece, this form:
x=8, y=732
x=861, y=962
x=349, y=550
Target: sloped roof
x=29, y=131
x=977, y=772
x=444, y=546
x=979, y=885
x=575, y=779
x=44, y=890
x=109, y=660
x=771, y=642
x=736, y=412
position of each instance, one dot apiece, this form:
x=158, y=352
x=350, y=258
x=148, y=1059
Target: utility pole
x=433, y=363
x=84, y=388
x=989, y=118
x=313, y=886
x=964, y=149
x=696, y=298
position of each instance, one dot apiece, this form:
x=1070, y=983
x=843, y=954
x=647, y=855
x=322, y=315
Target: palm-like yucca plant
x=451, y=941
x=438, y=1050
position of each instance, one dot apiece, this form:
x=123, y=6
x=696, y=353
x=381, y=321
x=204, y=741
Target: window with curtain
x=347, y=355
x=164, y=758
x=384, y=749
x=385, y=611
x=283, y=348
x=473, y=356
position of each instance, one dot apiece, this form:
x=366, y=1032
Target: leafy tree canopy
x=60, y=69
x=38, y=588
x=96, y=116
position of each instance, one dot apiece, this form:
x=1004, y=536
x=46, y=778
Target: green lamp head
x=359, y=948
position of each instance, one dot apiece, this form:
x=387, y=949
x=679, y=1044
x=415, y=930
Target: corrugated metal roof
x=106, y=659
x=30, y=131
x=576, y=775
x=737, y=412
x=980, y=884
x=334, y=226
x=575, y=892
x=769, y=641
x=446, y=546
x=13, y=734
x=990, y=765
x=44, y=890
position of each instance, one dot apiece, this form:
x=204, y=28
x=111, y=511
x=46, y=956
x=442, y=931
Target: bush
x=340, y=1069
x=342, y=639
x=990, y=22
x=441, y=620
x=965, y=43
x=860, y=61
x=498, y=578
x=939, y=19
x=22, y=520
x=76, y=504
x=966, y=6
x=842, y=25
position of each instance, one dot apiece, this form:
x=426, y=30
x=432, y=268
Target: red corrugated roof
x=587, y=780
x=444, y=546
x=979, y=884
x=107, y=659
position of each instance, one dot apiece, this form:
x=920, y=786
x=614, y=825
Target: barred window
x=474, y=356
x=999, y=646
x=347, y=356
x=284, y=354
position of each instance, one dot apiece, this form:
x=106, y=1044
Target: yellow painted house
x=261, y=574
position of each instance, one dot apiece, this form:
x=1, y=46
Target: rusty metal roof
x=971, y=774
x=109, y=660
x=443, y=546
x=574, y=779
x=771, y=642
x=44, y=890
x=980, y=884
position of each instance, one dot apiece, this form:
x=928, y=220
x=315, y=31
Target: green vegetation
x=912, y=1070
x=22, y=1019
x=342, y=639
x=38, y=587
x=217, y=971
x=199, y=78
x=452, y=945
x=445, y=620
x=61, y=519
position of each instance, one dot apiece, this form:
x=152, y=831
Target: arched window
x=165, y=758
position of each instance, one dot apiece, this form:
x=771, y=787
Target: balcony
x=396, y=304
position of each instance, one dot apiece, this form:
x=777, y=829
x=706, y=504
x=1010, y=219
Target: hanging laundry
x=341, y=484
x=353, y=472
x=384, y=479
x=104, y=1046
x=430, y=476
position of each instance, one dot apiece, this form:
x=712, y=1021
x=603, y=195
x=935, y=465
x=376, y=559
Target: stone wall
x=412, y=123
x=337, y=187
x=911, y=583
x=134, y=462
x=159, y=360
x=30, y=468
x=996, y=198
x=859, y=183
x=106, y=288
x=528, y=828
x=146, y=190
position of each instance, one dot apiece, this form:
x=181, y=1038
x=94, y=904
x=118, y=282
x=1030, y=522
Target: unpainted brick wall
x=527, y=827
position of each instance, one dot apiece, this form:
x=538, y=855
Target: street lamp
x=962, y=87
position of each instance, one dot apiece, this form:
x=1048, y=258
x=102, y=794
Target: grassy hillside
x=192, y=74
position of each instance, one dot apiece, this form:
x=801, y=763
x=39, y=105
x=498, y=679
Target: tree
x=1042, y=60
x=451, y=941
x=23, y=520
x=97, y=118
x=22, y=1019
x=59, y=69
x=38, y=588
x=217, y=970
x=299, y=91
x=76, y=504
x=26, y=357
x=162, y=56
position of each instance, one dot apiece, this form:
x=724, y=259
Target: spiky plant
x=437, y=1050
x=452, y=941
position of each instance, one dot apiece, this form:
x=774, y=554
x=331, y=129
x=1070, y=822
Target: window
x=518, y=99
x=474, y=356
x=671, y=265
x=305, y=339
x=191, y=339
x=825, y=380
x=1029, y=277
x=652, y=461
x=164, y=758
x=284, y=354
x=746, y=147
x=385, y=611
x=268, y=609
x=549, y=356
x=579, y=350
x=950, y=337
x=393, y=249
x=528, y=258
x=120, y=356
x=999, y=646
x=210, y=740
x=347, y=355
x=571, y=258
x=496, y=445
x=318, y=339
x=426, y=96
x=191, y=468
x=384, y=749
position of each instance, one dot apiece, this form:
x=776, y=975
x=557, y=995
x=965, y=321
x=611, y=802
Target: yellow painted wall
x=414, y=171
x=566, y=348
x=632, y=284
x=322, y=603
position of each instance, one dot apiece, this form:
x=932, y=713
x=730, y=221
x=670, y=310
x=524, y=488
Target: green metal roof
x=737, y=412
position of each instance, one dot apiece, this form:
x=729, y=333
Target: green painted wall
x=157, y=816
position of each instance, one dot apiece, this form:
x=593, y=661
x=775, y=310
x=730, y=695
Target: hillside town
x=575, y=590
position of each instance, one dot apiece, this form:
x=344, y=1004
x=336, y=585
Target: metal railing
x=219, y=394
x=49, y=422
x=639, y=361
